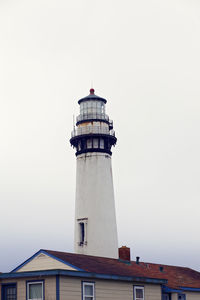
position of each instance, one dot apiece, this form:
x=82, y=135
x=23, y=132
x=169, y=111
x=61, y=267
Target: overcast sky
x=144, y=58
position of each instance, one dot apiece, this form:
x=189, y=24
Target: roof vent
x=137, y=260
x=124, y=253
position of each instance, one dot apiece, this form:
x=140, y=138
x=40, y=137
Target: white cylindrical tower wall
x=95, y=204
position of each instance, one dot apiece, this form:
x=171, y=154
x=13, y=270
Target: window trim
x=91, y=283
x=134, y=291
x=28, y=282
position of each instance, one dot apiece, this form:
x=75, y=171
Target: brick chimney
x=124, y=253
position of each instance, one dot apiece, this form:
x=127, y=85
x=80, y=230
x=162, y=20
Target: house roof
x=177, y=277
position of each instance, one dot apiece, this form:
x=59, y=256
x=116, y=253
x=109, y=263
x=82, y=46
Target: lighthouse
x=95, y=218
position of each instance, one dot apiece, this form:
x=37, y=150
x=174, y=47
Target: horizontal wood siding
x=152, y=292
x=113, y=290
x=44, y=262
x=50, y=287
x=192, y=296
x=189, y=296
x=174, y=296
x=106, y=290
x=70, y=288
x=21, y=287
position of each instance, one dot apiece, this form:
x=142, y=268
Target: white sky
x=144, y=57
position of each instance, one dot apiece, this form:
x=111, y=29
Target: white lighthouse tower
x=95, y=219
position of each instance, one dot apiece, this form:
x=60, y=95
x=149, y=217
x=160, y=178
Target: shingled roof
x=177, y=276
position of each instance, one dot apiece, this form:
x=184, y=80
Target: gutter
x=82, y=274
x=190, y=289
x=166, y=289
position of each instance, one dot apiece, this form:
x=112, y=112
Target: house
x=54, y=275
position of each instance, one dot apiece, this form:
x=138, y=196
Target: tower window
x=82, y=225
x=82, y=233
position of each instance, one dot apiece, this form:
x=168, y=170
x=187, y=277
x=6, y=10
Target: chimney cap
x=137, y=260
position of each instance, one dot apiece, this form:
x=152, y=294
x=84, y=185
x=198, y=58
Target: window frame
x=28, y=282
x=6, y=285
x=83, y=221
x=141, y=287
x=166, y=294
x=181, y=294
x=90, y=283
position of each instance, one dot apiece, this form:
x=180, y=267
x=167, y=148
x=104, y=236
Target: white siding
x=152, y=292
x=192, y=296
x=189, y=296
x=49, y=283
x=44, y=262
x=70, y=288
x=21, y=287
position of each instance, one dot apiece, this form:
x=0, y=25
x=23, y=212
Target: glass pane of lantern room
x=95, y=143
x=102, y=143
x=89, y=107
x=81, y=108
x=84, y=108
x=94, y=109
x=98, y=108
x=102, y=108
x=89, y=143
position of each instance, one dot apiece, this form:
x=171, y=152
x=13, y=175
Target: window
x=166, y=297
x=82, y=224
x=9, y=292
x=181, y=297
x=88, y=291
x=82, y=232
x=35, y=290
x=138, y=293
